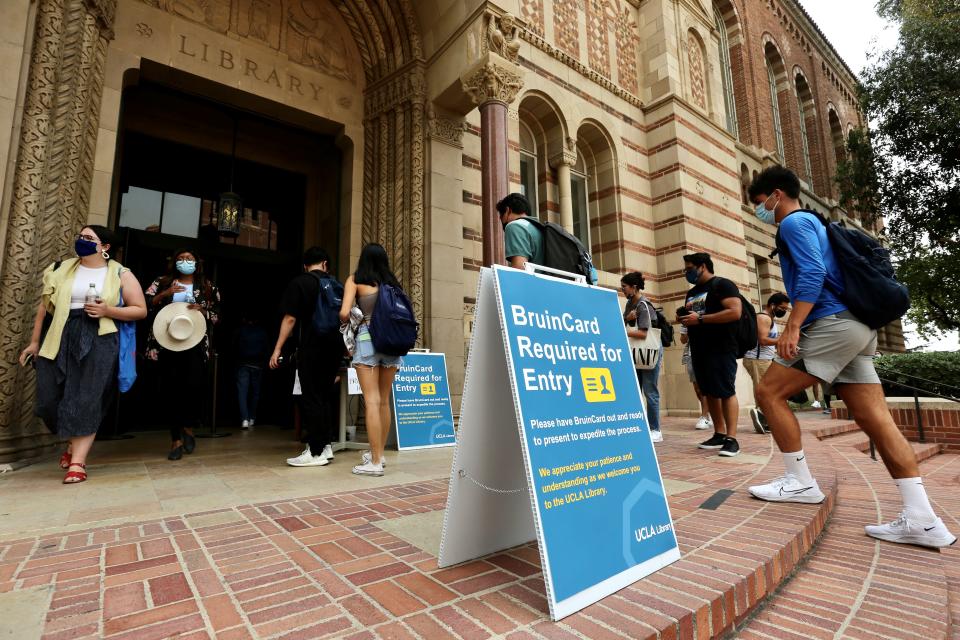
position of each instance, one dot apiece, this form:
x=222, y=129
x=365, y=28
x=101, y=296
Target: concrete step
x=834, y=428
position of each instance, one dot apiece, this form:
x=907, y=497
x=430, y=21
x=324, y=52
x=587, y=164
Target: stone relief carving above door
x=309, y=32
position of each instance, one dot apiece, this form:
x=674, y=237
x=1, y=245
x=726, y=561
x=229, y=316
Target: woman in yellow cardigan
x=77, y=363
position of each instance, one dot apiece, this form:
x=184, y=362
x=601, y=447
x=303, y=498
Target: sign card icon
x=597, y=385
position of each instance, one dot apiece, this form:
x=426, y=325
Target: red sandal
x=65, y=460
x=75, y=477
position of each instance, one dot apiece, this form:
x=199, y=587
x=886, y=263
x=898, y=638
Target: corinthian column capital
x=104, y=11
x=492, y=79
x=564, y=158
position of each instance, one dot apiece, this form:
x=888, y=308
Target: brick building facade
x=636, y=123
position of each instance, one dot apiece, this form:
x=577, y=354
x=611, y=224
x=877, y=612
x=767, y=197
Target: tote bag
x=127, y=363
x=646, y=352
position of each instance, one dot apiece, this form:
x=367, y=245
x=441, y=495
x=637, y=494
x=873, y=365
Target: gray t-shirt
x=644, y=313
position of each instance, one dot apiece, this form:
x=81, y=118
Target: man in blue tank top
x=824, y=342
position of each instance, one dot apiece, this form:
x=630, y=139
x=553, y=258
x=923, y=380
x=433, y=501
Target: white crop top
x=81, y=284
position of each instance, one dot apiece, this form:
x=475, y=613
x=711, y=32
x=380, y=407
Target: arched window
x=595, y=195
x=726, y=73
x=528, y=164
x=836, y=134
x=774, y=105
x=802, y=90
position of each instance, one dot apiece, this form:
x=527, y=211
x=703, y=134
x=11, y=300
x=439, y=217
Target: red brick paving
x=322, y=568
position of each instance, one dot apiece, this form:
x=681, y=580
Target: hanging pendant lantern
x=231, y=204
x=228, y=217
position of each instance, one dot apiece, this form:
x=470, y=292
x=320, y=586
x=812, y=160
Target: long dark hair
x=373, y=268
x=199, y=279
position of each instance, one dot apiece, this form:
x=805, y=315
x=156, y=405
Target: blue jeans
x=648, y=385
x=248, y=390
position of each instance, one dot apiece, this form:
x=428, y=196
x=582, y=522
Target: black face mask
x=780, y=313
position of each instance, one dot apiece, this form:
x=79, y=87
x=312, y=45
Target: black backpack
x=666, y=329
x=562, y=250
x=326, y=315
x=871, y=291
x=746, y=331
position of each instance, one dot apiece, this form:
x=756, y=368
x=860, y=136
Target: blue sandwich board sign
x=550, y=378
x=421, y=402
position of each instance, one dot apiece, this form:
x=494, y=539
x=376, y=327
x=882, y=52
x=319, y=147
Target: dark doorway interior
x=176, y=153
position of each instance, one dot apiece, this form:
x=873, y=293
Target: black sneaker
x=175, y=454
x=715, y=442
x=730, y=448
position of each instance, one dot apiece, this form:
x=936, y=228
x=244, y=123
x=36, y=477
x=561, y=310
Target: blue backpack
x=393, y=327
x=326, y=316
x=870, y=289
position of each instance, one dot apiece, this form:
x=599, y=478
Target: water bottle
x=92, y=296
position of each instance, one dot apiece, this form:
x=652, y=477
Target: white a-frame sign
x=553, y=443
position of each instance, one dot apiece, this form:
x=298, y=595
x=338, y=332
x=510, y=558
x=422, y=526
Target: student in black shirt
x=711, y=312
x=318, y=359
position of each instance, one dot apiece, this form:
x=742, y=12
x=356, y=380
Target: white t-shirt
x=81, y=284
x=181, y=296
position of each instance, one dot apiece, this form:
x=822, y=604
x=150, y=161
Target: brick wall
x=941, y=420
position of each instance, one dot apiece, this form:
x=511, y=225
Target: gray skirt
x=75, y=390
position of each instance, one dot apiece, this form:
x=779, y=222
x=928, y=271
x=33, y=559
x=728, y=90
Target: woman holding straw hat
x=187, y=306
x=77, y=362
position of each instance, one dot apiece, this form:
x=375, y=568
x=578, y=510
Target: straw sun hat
x=178, y=328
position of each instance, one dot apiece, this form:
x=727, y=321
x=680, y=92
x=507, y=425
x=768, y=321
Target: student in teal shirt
x=523, y=242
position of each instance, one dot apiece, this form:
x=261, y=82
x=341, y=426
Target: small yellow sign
x=428, y=389
x=598, y=385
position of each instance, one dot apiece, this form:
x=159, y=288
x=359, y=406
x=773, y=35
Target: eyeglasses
x=88, y=238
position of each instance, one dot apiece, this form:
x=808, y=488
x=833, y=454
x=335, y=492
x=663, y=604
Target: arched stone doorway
x=63, y=172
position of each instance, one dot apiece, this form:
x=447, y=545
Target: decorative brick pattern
x=566, y=27
x=532, y=13
x=695, y=61
x=941, y=425
x=627, y=45
x=598, y=41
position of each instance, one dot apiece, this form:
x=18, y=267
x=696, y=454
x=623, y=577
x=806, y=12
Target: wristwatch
x=700, y=317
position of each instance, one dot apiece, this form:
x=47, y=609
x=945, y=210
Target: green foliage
x=911, y=96
x=857, y=176
x=936, y=371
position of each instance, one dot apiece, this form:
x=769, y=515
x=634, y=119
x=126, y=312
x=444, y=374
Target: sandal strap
x=79, y=475
x=82, y=465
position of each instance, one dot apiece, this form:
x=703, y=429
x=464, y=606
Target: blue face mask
x=84, y=247
x=692, y=275
x=186, y=267
x=766, y=215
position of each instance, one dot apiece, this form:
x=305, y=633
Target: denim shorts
x=365, y=355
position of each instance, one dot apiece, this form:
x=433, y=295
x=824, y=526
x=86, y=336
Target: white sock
x=915, y=501
x=796, y=464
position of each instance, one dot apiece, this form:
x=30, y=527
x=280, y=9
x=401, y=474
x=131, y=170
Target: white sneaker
x=788, y=489
x=815, y=405
x=932, y=534
x=704, y=423
x=655, y=435
x=245, y=424
x=367, y=458
x=327, y=453
x=306, y=459
x=368, y=469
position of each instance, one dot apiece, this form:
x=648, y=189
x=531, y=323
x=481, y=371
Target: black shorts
x=716, y=373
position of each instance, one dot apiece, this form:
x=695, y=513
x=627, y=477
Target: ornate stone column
x=492, y=83
x=50, y=189
x=562, y=162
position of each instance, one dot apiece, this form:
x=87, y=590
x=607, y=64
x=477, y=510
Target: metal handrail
x=908, y=375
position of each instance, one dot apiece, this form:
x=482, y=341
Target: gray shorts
x=837, y=349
